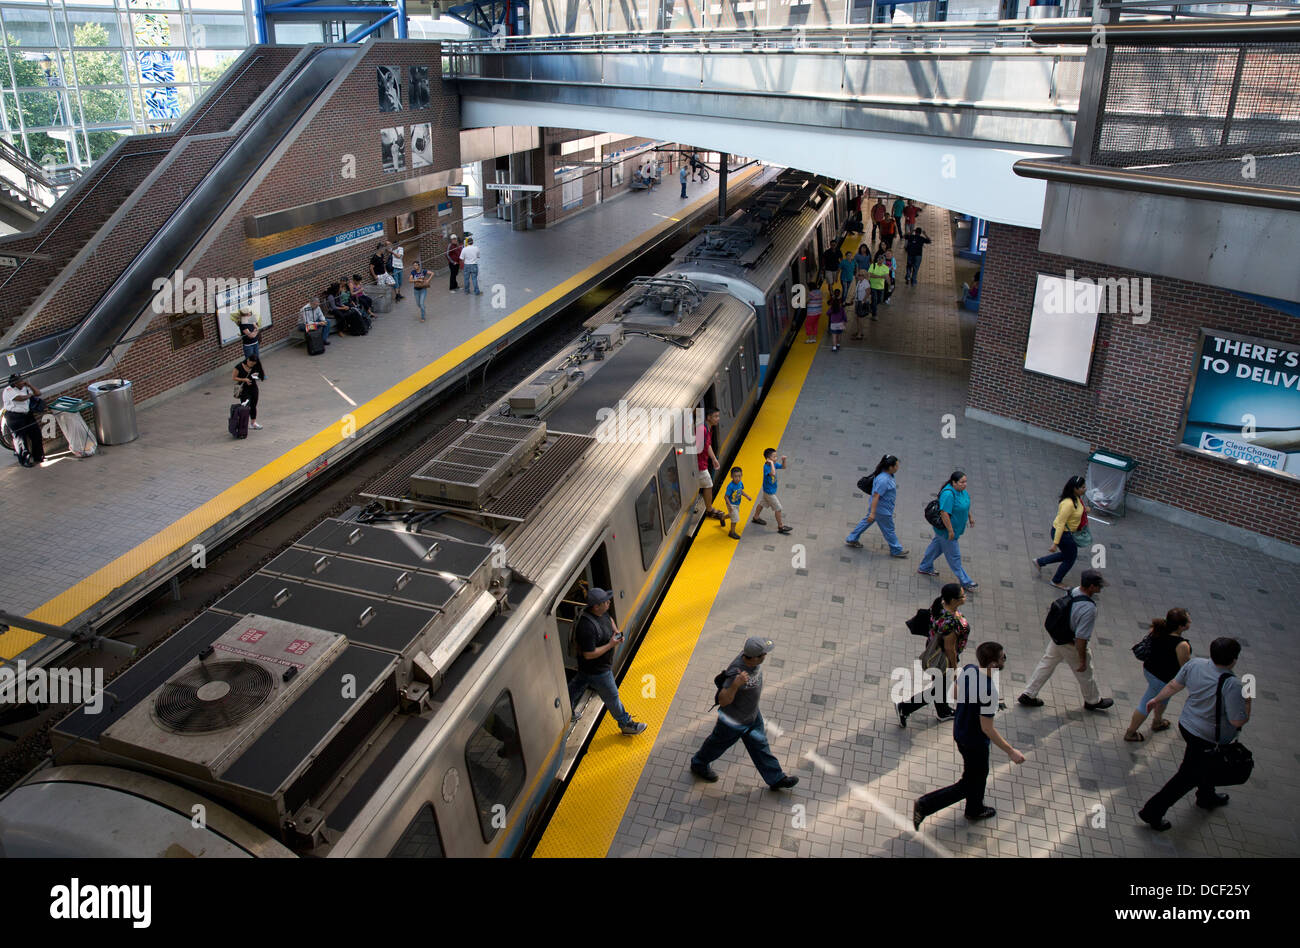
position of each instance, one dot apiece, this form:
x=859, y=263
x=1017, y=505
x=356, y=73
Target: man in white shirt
x=469, y=255
x=22, y=421
x=398, y=267
x=310, y=317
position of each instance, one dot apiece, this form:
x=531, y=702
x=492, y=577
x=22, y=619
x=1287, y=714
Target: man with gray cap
x=739, y=719
x=1069, y=626
x=596, y=637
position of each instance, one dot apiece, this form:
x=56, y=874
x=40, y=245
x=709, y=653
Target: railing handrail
x=30, y=254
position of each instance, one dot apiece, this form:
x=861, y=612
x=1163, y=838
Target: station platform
x=87, y=535
x=836, y=615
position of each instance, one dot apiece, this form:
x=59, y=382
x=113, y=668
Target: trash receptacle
x=114, y=411
x=1107, y=475
x=380, y=296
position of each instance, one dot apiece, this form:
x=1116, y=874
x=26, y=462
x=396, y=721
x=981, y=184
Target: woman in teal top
x=954, y=507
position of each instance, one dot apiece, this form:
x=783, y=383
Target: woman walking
x=949, y=631
x=420, y=278
x=814, y=315
x=1071, y=515
x=247, y=374
x=884, y=491
x=954, y=510
x=877, y=276
x=1166, y=652
x=836, y=319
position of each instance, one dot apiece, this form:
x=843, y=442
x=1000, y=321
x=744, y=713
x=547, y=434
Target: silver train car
x=395, y=683
x=772, y=244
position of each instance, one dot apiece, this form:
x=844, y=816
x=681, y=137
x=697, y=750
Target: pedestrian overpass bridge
x=938, y=112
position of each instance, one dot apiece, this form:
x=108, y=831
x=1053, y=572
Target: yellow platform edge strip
x=599, y=793
x=81, y=596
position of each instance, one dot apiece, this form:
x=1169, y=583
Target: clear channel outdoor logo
x=1240, y=451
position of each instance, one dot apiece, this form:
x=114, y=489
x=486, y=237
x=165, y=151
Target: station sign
x=8, y=261
x=513, y=187
x=457, y=190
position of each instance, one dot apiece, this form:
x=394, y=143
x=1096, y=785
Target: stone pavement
x=72, y=516
x=837, y=618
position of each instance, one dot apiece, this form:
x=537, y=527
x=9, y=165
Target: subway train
x=395, y=682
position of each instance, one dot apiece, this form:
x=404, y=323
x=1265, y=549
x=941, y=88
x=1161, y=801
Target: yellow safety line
x=601, y=789
x=75, y=600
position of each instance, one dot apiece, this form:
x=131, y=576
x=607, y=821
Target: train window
x=647, y=523
x=494, y=758
x=737, y=382
x=421, y=839
x=670, y=489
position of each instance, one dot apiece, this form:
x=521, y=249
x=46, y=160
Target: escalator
x=111, y=318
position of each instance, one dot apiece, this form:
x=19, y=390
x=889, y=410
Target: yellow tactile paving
x=601, y=789
x=181, y=533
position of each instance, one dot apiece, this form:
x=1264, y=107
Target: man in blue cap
x=597, y=636
x=739, y=719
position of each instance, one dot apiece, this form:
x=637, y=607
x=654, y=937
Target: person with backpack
x=973, y=730
x=949, y=631
x=1162, y=653
x=596, y=637
x=948, y=515
x=739, y=686
x=1069, y=625
x=1215, y=710
x=246, y=377
x=1071, y=515
x=882, y=490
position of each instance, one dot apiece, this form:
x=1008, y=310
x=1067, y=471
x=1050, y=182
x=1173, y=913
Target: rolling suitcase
x=315, y=342
x=239, y=420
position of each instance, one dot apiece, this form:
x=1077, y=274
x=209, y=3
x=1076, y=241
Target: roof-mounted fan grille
x=213, y=696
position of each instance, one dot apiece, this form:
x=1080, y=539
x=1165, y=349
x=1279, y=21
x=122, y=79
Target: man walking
x=739, y=719
x=1070, y=630
x=681, y=176
x=973, y=730
x=878, y=213
x=914, y=245
x=597, y=636
x=1203, y=678
x=469, y=256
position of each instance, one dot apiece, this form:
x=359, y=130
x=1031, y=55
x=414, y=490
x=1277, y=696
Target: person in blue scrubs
x=884, y=491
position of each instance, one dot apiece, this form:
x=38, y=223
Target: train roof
x=265, y=700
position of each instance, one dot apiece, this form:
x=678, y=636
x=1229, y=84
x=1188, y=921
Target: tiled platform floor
x=838, y=625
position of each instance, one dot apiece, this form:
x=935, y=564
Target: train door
x=594, y=574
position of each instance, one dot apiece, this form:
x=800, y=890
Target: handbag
x=1082, y=537
x=919, y=624
x=1142, y=650
x=1226, y=765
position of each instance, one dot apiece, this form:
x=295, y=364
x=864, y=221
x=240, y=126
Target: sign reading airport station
x=318, y=248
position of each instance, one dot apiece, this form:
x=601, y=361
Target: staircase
x=26, y=192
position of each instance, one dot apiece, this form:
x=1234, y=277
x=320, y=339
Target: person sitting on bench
x=310, y=317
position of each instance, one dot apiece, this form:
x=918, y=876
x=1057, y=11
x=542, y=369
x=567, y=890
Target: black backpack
x=864, y=483
x=933, y=515
x=1057, y=622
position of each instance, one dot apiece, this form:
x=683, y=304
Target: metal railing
x=26, y=178
x=946, y=36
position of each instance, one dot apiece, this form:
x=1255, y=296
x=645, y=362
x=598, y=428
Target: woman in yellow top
x=1069, y=513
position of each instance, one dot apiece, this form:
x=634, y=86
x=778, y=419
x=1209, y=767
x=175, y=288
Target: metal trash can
x=381, y=297
x=1107, y=476
x=114, y=411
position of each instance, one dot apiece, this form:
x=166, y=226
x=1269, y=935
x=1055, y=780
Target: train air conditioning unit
x=218, y=704
x=529, y=399
x=470, y=469
x=608, y=336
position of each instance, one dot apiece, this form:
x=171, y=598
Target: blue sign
x=317, y=248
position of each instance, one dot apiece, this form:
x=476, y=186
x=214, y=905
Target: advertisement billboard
x=1244, y=403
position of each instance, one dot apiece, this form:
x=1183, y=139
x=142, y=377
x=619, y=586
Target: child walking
x=837, y=319
x=768, y=496
x=735, y=491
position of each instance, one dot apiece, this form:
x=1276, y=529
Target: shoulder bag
x=1226, y=765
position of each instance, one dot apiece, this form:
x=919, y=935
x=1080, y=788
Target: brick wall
x=1138, y=386
x=338, y=152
